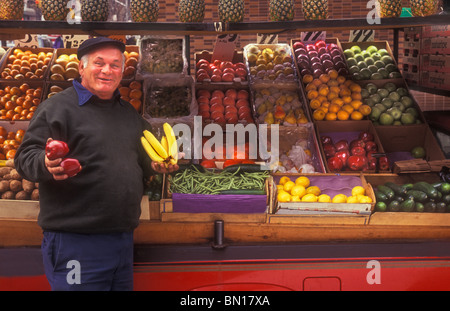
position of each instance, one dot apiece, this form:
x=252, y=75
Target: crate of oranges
x=19, y=100
x=333, y=97
x=131, y=91
x=25, y=64
x=11, y=136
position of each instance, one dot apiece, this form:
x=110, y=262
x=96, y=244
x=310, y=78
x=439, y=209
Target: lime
x=380, y=207
x=418, y=152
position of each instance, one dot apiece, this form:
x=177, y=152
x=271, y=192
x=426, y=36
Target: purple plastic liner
x=331, y=185
x=218, y=203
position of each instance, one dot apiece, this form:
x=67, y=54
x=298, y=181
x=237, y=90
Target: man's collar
x=84, y=95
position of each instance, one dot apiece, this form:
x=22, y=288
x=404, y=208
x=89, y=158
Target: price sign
x=224, y=47
x=361, y=35
x=30, y=41
x=266, y=38
x=313, y=36
x=74, y=41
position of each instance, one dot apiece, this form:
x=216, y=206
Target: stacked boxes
x=426, y=56
x=435, y=57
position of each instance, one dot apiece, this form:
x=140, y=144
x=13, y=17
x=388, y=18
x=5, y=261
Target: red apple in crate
x=329, y=150
x=371, y=146
x=366, y=136
x=297, y=45
x=341, y=145
x=356, y=163
x=343, y=155
x=358, y=151
x=335, y=164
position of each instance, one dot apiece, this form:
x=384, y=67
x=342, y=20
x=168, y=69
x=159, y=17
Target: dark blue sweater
x=104, y=136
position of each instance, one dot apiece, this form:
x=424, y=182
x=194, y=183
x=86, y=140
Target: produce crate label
x=266, y=38
x=224, y=47
x=313, y=36
x=74, y=41
x=30, y=41
x=360, y=35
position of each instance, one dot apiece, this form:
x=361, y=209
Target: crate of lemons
x=297, y=192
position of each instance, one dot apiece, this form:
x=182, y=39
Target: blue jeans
x=97, y=262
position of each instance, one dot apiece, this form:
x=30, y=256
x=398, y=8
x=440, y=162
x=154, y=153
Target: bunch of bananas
x=164, y=151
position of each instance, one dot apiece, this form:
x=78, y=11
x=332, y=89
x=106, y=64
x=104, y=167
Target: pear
x=290, y=118
x=269, y=119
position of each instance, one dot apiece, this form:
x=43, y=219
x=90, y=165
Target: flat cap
x=94, y=43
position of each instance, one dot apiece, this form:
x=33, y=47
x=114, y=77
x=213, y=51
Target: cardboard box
x=435, y=31
x=238, y=57
x=33, y=50
x=438, y=80
x=436, y=45
x=347, y=130
x=437, y=62
x=365, y=45
x=323, y=213
x=253, y=78
x=399, y=142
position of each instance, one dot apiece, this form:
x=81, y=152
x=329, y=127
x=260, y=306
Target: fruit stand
x=346, y=188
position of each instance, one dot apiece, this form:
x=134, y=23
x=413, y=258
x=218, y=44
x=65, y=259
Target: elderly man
x=88, y=219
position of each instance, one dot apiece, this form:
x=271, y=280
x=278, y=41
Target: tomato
x=208, y=164
x=231, y=162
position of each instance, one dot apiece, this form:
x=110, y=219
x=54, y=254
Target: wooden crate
x=167, y=215
x=320, y=213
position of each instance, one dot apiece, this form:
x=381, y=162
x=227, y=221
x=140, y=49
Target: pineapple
x=11, y=9
x=423, y=7
x=390, y=8
x=231, y=11
x=281, y=10
x=144, y=10
x=315, y=9
x=55, y=10
x=191, y=11
x=94, y=10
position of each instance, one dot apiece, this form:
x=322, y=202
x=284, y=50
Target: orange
x=334, y=108
x=355, y=87
x=307, y=78
x=322, y=98
x=348, y=108
x=356, y=104
x=337, y=101
x=324, y=90
x=343, y=115
x=347, y=99
x=345, y=91
x=316, y=82
x=332, y=95
x=356, y=115
x=347, y=83
x=323, y=108
x=365, y=110
x=318, y=115
x=312, y=94
x=333, y=74
x=335, y=89
x=333, y=82
x=324, y=78
x=356, y=96
x=310, y=87
x=341, y=80
x=314, y=104
x=331, y=116
x=326, y=104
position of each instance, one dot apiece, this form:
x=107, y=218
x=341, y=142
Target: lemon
x=298, y=190
x=280, y=187
x=313, y=190
x=339, y=198
x=283, y=196
x=295, y=198
x=324, y=198
x=288, y=186
x=365, y=199
x=352, y=199
x=309, y=198
x=284, y=179
x=303, y=181
x=358, y=190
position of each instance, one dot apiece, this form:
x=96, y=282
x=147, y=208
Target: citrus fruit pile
x=301, y=190
x=333, y=97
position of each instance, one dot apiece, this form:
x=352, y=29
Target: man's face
x=103, y=73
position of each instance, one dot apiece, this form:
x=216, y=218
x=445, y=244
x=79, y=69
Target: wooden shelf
x=211, y=28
